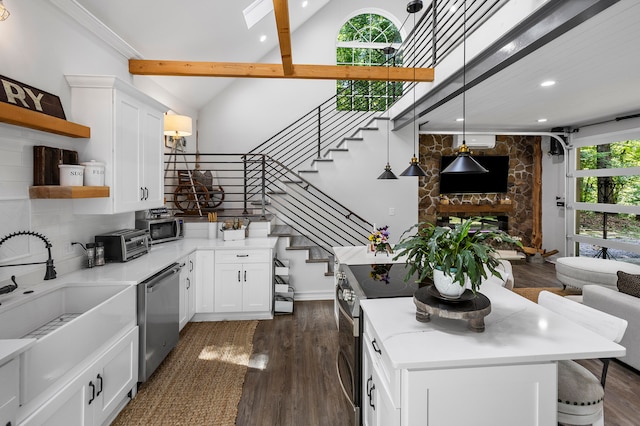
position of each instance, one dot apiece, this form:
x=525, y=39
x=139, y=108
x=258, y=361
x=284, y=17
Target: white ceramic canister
x=71, y=175
x=93, y=173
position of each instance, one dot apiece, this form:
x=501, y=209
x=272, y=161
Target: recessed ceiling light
x=263, y=38
x=542, y=120
x=305, y=3
x=547, y=83
x=459, y=119
x=453, y=9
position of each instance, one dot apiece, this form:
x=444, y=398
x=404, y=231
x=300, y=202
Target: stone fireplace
x=517, y=209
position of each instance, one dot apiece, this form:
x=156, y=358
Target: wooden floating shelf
x=475, y=208
x=57, y=191
x=23, y=117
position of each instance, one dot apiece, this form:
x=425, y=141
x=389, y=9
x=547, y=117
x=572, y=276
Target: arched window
x=360, y=42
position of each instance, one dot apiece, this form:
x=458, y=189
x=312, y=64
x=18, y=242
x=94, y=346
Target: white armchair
x=621, y=305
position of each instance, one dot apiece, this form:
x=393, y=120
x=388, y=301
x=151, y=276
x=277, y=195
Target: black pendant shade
x=464, y=163
x=413, y=169
x=387, y=174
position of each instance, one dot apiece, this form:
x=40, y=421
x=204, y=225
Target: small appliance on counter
x=162, y=227
x=124, y=245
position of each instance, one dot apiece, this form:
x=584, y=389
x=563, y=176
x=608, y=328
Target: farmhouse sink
x=70, y=323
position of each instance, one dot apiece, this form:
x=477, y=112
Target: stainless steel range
x=354, y=283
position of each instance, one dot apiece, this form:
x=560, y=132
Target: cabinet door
x=256, y=292
x=228, y=287
x=69, y=407
x=151, y=170
x=128, y=190
x=204, y=281
x=118, y=375
x=191, y=286
x=184, y=292
x=377, y=406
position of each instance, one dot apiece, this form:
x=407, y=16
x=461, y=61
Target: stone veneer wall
x=520, y=184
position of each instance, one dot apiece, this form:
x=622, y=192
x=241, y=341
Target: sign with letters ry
x=19, y=94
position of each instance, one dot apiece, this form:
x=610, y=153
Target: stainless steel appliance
x=158, y=318
x=160, y=225
x=354, y=283
x=124, y=245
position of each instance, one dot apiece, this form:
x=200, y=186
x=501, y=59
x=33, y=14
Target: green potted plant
x=456, y=258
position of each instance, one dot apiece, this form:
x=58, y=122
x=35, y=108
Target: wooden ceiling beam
x=258, y=70
x=281, y=11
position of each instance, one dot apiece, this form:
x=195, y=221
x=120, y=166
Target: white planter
x=445, y=285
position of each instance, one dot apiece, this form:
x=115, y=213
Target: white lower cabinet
x=94, y=395
x=10, y=380
x=243, y=281
x=377, y=407
x=522, y=395
x=204, y=281
x=187, y=289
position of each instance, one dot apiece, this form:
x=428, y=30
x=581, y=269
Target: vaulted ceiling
x=595, y=65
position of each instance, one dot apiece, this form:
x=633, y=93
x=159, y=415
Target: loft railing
x=438, y=31
x=264, y=181
x=256, y=186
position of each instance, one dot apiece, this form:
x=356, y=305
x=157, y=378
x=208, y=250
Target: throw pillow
x=629, y=283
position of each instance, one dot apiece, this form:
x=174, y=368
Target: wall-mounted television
x=493, y=182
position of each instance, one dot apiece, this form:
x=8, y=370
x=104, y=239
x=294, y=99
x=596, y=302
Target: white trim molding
x=85, y=18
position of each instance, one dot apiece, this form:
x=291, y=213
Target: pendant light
x=388, y=174
x=414, y=169
x=464, y=163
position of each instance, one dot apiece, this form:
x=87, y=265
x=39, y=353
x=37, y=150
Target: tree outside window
x=360, y=43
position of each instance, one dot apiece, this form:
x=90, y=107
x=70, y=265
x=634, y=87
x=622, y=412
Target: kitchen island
x=442, y=373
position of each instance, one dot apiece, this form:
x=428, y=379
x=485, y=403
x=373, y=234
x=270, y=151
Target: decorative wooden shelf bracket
x=56, y=191
x=19, y=116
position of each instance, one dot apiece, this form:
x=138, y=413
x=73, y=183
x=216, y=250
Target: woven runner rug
x=200, y=382
x=531, y=293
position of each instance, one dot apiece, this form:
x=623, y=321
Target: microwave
x=162, y=229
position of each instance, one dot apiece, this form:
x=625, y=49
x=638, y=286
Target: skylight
x=256, y=11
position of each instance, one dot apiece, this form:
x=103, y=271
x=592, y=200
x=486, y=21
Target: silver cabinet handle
x=238, y=276
x=375, y=346
x=188, y=283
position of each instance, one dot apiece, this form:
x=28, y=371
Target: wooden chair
x=580, y=393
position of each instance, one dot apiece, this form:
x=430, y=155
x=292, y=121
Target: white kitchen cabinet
x=377, y=407
x=204, y=281
x=10, y=380
x=187, y=289
x=243, y=281
x=127, y=135
x=93, y=396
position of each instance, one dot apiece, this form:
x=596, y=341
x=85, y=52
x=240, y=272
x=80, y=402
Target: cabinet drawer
x=242, y=256
x=381, y=359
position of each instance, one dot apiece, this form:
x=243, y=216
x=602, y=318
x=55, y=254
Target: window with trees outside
x=360, y=43
x=607, y=185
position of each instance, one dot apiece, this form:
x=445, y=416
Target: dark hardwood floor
x=293, y=382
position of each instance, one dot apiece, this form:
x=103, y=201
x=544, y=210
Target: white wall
x=250, y=111
x=39, y=45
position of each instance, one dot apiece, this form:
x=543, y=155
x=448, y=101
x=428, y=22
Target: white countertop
x=132, y=272
x=357, y=255
x=516, y=331
x=11, y=348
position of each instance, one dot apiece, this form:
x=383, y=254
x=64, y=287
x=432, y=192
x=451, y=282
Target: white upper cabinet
x=127, y=135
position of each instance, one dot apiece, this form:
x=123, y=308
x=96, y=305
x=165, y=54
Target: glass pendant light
x=464, y=162
x=414, y=168
x=388, y=174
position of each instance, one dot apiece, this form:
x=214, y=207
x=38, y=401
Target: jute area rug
x=200, y=382
x=532, y=293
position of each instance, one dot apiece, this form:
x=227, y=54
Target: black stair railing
x=265, y=178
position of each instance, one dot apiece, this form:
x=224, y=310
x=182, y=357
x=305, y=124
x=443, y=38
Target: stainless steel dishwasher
x=158, y=317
